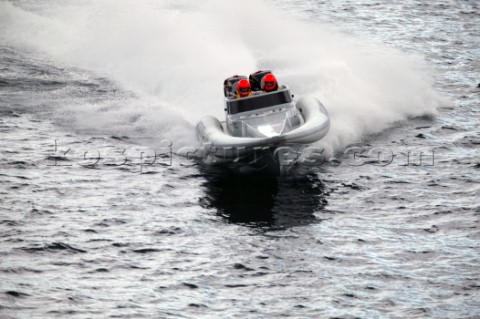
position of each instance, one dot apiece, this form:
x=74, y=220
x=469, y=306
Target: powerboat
x=263, y=125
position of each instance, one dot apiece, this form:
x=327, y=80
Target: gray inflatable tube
x=216, y=140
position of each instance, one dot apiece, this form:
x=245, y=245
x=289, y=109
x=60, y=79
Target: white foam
x=175, y=54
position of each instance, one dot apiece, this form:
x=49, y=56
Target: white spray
x=175, y=54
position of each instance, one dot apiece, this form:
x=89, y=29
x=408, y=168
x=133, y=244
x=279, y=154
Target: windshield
x=258, y=101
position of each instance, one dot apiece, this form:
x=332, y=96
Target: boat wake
x=174, y=56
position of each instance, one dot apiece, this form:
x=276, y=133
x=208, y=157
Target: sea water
x=99, y=218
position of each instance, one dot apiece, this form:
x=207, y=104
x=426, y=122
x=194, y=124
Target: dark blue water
x=94, y=225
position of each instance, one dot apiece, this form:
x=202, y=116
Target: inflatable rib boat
x=263, y=121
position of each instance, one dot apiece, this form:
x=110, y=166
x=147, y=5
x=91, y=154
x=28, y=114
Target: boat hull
x=217, y=142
